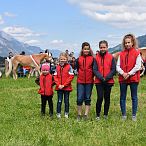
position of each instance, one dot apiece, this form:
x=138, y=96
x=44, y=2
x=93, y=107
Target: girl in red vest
x=63, y=77
x=84, y=79
x=46, y=89
x=104, y=70
x=128, y=67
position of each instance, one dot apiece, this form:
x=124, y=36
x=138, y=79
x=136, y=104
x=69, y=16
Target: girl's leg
x=80, y=98
x=133, y=88
x=107, y=92
x=123, y=94
x=43, y=104
x=66, y=101
x=87, y=96
x=50, y=102
x=59, y=102
x=100, y=91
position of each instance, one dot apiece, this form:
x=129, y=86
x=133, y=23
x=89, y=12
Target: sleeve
x=77, y=64
x=112, y=72
x=96, y=72
x=137, y=66
x=118, y=68
x=71, y=76
x=56, y=80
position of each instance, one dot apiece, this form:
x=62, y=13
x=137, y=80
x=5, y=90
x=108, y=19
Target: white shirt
x=133, y=70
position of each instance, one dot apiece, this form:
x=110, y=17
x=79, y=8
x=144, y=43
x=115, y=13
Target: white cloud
x=8, y=14
x=21, y=33
x=56, y=42
x=131, y=13
x=32, y=42
x=1, y=20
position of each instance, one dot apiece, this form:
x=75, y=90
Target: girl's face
x=62, y=60
x=128, y=43
x=86, y=50
x=45, y=72
x=103, y=47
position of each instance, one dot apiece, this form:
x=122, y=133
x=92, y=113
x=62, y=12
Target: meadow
x=22, y=125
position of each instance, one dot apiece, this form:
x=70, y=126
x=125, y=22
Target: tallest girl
x=128, y=67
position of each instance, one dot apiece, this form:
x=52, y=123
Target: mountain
x=141, y=43
x=8, y=43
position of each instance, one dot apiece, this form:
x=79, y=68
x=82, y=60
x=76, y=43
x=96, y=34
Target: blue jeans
x=60, y=94
x=123, y=93
x=84, y=93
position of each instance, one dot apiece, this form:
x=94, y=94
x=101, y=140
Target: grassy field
x=22, y=125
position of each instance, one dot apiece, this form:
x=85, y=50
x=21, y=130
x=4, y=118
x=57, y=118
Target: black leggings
x=103, y=91
x=44, y=100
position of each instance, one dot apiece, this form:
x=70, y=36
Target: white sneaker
x=134, y=118
x=66, y=115
x=97, y=118
x=58, y=115
x=124, y=118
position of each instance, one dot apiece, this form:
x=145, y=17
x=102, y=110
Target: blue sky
x=65, y=24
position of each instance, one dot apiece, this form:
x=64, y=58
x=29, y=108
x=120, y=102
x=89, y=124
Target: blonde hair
x=64, y=55
x=133, y=40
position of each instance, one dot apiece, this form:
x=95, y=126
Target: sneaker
x=134, y=118
x=124, y=118
x=66, y=115
x=58, y=115
x=85, y=117
x=79, y=117
x=105, y=117
x=97, y=118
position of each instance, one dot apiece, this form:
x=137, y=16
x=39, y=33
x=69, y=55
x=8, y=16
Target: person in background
x=84, y=80
x=104, y=70
x=46, y=89
x=128, y=67
x=63, y=78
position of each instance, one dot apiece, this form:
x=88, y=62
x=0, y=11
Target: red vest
x=85, y=71
x=63, y=76
x=46, y=85
x=127, y=62
x=104, y=66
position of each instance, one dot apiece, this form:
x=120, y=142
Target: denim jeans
x=60, y=94
x=84, y=93
x=123, y=93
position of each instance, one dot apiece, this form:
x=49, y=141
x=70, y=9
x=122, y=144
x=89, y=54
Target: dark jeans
x=84, y=93
x=103, y=91
x=44, y=100
x=60, y=94
x=123, y=93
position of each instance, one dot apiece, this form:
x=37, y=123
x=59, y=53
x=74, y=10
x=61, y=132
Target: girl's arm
x=70, y=78
x=112, y=72
x=137, y=66
x=96, y=72
x=118, y=68
x=56, y=79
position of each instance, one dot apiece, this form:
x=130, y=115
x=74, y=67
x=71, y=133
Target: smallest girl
x=46, y=89
x=63, y=78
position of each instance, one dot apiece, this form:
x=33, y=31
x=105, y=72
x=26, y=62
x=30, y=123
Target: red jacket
x=46, y=85
x=104, y=66
x=85, y=69
x=63, y=76
x=127, y=63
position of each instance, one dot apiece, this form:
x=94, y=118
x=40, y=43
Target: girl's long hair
x=83, y=45
x=133, y=40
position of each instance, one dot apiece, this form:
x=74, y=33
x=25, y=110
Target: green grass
x=22, y=125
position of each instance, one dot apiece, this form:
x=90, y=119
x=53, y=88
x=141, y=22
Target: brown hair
x=103, y=42
x=133, y=39
x=86, y=44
